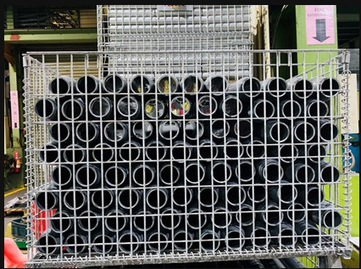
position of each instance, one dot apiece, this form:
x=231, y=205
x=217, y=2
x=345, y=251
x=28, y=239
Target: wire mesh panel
x=180, y=163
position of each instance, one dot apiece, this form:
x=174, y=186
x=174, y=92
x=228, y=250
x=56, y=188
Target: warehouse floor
x=7, y=198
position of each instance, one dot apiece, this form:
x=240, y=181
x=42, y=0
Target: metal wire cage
x=166, y=162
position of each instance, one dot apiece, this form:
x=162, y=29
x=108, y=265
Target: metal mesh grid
x=161, y=166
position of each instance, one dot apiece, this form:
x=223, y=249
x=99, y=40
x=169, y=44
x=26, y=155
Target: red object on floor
x=13, y=257
x=41, y=220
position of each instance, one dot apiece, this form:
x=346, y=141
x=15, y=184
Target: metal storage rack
x=142, y=165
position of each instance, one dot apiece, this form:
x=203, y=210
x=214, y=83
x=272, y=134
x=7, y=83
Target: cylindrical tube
x=327, y=86
x=61, y=132
x=46, y=108
x=158, y=241
x=102, y=243
x=210, y=240
x=327, y=216
x=314, y=152
x=183, y=240
x=243, y=128
x=245, y=217
x=192, y=83
x=114, y=83
x=208, y=197
x=301, y=172
x=129, y=107
x=61, y=222
x=316, y=108
x=88, y=176
x=207, y=105
x=74, y=200
x=130, y=151
x=276, y=131
x=216, y=84
x=301, y=87
x=88, y=220
x=288, y=153
x=233, y=148
x=270, y=213
x=115, y=220
x=169, y=174
x=290, y=108
x=303, y=131
x=141, y=84
x=196, y=219
x=167, y=84
x=256, y=193
x=103, y=152
x=285, y=235
x=170, y=219
x=63, y=176
x=116, y=176
x=296, y=212
x=220, y=171
x=260, y=236
x=328, y=172
x=310, y=194
x=234, y=238
x=102, y=199
x=49, y=153
x=221, y=218
x=236, y=195
x=48, y=198
x=207, y=150
x=327, y=130
x=195, y=172
x=157, y=198
x=309, y=234
x=129, y=198
x=76, y=243
x=143, y=221
x=249, y=86
x=73, y=109
x=143, y=129
x=193, y=129
x=155, y=109
x=143, y=174
x=87, y=132
x=87, y=84
x=129, y=241
x=62, y=85
x=263, y=108
x=182, y=196
x=286, y=193
x=156, y=150
x=101, y=107
x=181, y=107
x=169, y=130
x=180, y=152
x=48, y=243
x=116, y=131
x=220, y=128
x=275, y=86
x=231, y=106
x=270, y=170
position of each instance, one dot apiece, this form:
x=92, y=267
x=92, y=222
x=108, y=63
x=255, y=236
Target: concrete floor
x=7, y=220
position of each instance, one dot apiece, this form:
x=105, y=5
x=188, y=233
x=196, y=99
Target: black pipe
x=286, y=152
x=316, y=108
x=156, y=150
x=193, y=129
x=116, y=176
x=262, y=108
x=169, y=174
x=219, y=171
x=276, y=131
x=208, y=197
x=170, y=219
x=196, y=219
x=270, y=213
x=192, y=83
x=88, y=176
x=141, y=84
x=62, y=85
x=245, y=217
x=180, y=107
x=290, y=108
x=87, y=84
x=158, y=241
x=49, y=153
x=88, y=221
x=327, y=131
x=243, y=128
x=210, y=240
x=235, y=237
x=143, y=175
x=74, y=200
x=129, y=198
x=285, y=192
x=63, y=176
x=327, y=216
x=301, y=87
x=169, y=130
x=275, y=86
x=183, y=240
x=76, y=243
x=292, y=263
x=303, y=131
x=328, y=172
x=87, y=132
x=47, y=198
x=130, y=151
x=167, y=84
x=220, y=128
x=259, y=236
x=157, y=198
x=114, y=83
x=102, y=199
x=155, y=109
x=182, y=197
x=249, y=86
x=129, y=241
x=115, y=220
x=116, y=132
x=129, y=107
x=103, y=152
x=48, y=243
x=301, y=172
x=143, y=130
x=285, y=234
x=61, y=222
x=233, y=148
x=311, y=194
x=180, y=151
x=308, y=233
x=73, y=109
x=327, y=86
x=195, y=172
x=236, y=195
x=101, y=107
x=296, y=212
x=256, y=193
x=221, y=218
x=143, y=221
x=231, y=106
x=207, y=150
x=46, y=108
x=314, y=152
x=61, y=132
x=216, y=84
x=207, y=105
x=269, y=170
x=102, y=243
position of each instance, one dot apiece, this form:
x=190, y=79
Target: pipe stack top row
x=148, y=164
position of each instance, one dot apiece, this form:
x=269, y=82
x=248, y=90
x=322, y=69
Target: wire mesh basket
x=186, y=163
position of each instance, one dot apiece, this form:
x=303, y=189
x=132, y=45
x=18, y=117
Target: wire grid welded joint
x=185, y=163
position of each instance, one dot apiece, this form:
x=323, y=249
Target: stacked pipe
x=165, y=164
